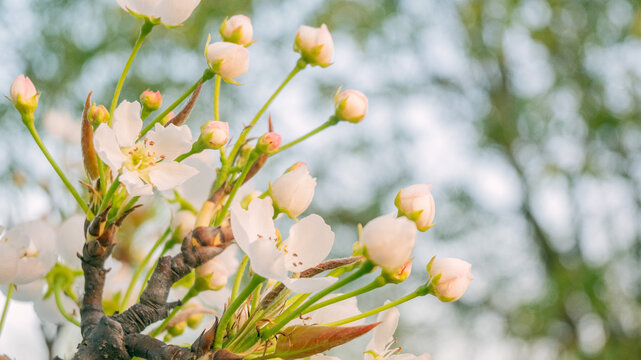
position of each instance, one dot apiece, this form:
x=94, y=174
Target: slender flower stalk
x=239, y=277
x=300, y=65
x=144, y=31
x=57, y=292
x=190, y=294
x=377, y=283
x=421, y=291
x=229, y=312
x=128, y=206
x=141, y=267
x=109, y=194
x=217, y=98
x=206, y=76
x=329, y=123
x=29, y=123
x=5, y=310
x=364, y=269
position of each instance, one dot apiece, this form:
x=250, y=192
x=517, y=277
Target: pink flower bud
x=268, y=143
x=293, y=191
x=151, y=100
x=315, y=45
x=98, y=114
x=389, y=241
x=351, y=105
x=24, y=95
x=227, y=59
x=456, y=276
x=214, y=134
x=417, y=204
x=238, y=30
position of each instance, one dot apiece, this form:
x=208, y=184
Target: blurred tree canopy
x=538, y=180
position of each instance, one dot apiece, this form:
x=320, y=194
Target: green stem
x=29, y=123
x=229, y=312
x=109, y=195
x=255, y=298
x=300, y=65
x=217, y=98
x=206, y=76
x=5, y=311
x=196, y=147
x=377, y=283
x=239, y=278
x=376, y=310
x=333, y=120
x=57, y=292
x=103, y=176
x=364, y=269
x=128, y=206
x=292, y=307
x=190, y=294
x=141, y=267
x=144, y=31
x=237, y=184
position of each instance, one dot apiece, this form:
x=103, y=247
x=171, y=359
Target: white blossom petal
x=8, y=262
x=134, y=184
x=310, y=241
x=308, y=285
x=70, y=238
x=107, y=147
x=32, y=291
x=384, y=333
x=248, y=224
x=47, y=310
x=126, y=122
x=175, y=12
x=36, y=250
x=169, y=174
x=266, y=260
x=169, y=141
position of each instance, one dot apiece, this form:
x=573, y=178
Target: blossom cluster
x=130, y=157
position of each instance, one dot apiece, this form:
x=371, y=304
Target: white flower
x=351, y=105
x=168, y=12
x=456, y=276
x=146, y=163
x=227, y=59
x=293, y=191
x=218, y=270
x=389, y=241
x=417, y=204
x=70, y=238
x=237, y=29
x=315, y=45
x=309, y=242
x=380, y=347
x=214, y=134
x=26, y=253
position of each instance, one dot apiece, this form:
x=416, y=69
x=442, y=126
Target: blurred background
x=524, y=115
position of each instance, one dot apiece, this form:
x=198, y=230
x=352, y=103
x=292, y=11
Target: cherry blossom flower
x=146, y=163
x=293, y=191
x=417, y=204
x=168, y=12
x=389, y=241
x=26, y=253
x=456, y=276
x=309, y=242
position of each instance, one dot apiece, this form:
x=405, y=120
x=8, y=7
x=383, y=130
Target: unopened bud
x=293, y=191
x=227, y=59
x=214, y=134
x=194, y=320
x=24, y=95
x=315, y=45
x=238, y=30
x=268, y=143
x=351, y=105
x=177, y=329
x=455, y=277
x=151, y=100
x=98, y=114
x=389, y=241
x=417, y=204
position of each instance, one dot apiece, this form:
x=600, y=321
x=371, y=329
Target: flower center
x=140, y=157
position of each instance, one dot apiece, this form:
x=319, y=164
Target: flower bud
x=24, y=95
x=227, y=59
x=98, y=114
x=268, y=143
x=351, y=105
x=177, y=329
x=238, y=30
x=456, y=276
x=293, y=191
x=417, y=204
x=151, y=100
x=194, y=320
x=315, y=45
x=214, y=134
x=389, y=241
